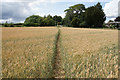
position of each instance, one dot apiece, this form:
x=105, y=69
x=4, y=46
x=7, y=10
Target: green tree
x=98, y=5
x=49, y=16
x=48, y=21
x=6, y=24
x=68, y=18
x=83, y=24
x=117, y=19
x=40, y=21
x=94, y=16
x=57, y=19
x=110, y=21
x=75, y=22
x=34, y=20
x=73, y=13
x=11, y=25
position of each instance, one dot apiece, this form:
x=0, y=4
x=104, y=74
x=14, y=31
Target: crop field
x=83, y=53
x=89, y=53
x=27, y=52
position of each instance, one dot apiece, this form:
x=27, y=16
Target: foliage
x=18, y=24
x=57, y=19
x=33, y=20
x=75, y=22
x=117, y=19
x=74, y=15
x=79, y=16
x=36, y=20
x=110, y=21
x=11, y=25
x=6, y=24
x=94, y=16
x=50, y=21
x=83, y=24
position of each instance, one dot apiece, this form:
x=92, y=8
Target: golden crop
x=89, y=52
x=27, y=52
x=84, y=53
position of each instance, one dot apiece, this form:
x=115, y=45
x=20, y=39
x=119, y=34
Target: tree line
x=79, y=16
x=75, y=16
x=36, y=20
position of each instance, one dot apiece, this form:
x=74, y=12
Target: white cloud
x=17, y=0
x=56, y=0
x=20, y=9
x=10, y=20
x=111, y=9
x=52, y=14
x=119, y=8
x=4, y=20
x=62, y=15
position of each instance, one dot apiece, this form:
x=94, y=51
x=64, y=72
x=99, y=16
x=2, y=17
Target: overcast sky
x=19, y=10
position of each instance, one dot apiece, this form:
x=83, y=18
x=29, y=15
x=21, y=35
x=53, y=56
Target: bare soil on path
x=58, y=72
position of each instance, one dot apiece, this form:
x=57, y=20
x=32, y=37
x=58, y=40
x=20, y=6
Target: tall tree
x=48, y=21
x=94, y=16
x=57, y=19
x=74, y=13
x=36, y=20
x=98, y=5
x=32, y=20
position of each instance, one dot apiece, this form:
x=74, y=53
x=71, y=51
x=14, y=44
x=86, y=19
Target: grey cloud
x=111, y=16
x=15, y=10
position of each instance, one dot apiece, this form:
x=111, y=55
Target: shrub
x=6, y=24
x=83, y=24
x=11, y=25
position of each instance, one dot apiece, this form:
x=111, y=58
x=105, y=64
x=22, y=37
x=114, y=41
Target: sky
x=19, y=10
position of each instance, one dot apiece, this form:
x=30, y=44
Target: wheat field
x=89, y=53
x=28, y=52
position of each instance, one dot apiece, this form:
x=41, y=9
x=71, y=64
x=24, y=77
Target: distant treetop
x=117, y=19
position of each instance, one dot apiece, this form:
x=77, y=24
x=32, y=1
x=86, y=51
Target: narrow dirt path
x=58, y=72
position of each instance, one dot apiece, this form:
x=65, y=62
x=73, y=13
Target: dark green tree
x=6, y=24
x=68, y=18
x=94, y=16
x=57, y=19
x=36, y=20
x=48, y=21
x=33, y=20
x=75, y=22
x=117, y=19
x=11, y=25
x=74, y=13
x=49, y=16
x=110, y=21
x=98, y=5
